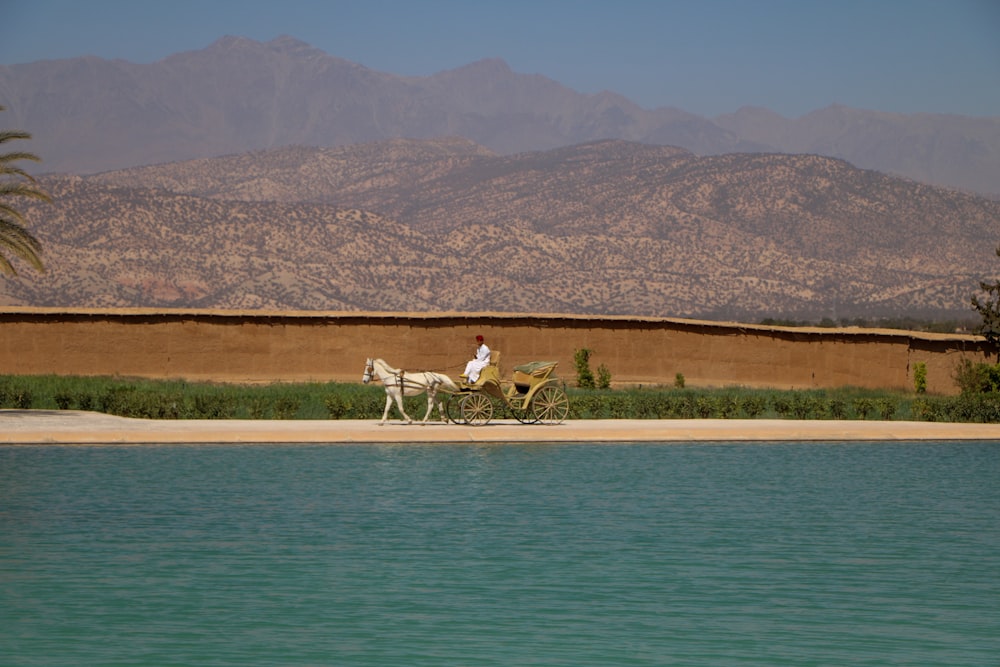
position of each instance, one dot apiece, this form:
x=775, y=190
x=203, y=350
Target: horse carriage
x=534, y=395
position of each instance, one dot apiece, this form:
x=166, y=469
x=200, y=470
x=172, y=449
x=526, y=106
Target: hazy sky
x=705, y=56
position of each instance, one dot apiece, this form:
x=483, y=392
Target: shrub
x=647, y=405
x=754, y=405
x=679, y=381
x=338, y=406
x=671, y=406
x=782, y=405
x=584, y=376
x=15, y=395
x=603, y=377
x=619, y=406
x=803, y=406
x=689, y=406
x=85, y=401
x=926, y=409
x=211, y=406
x=22, y=398
x=863, y=407
x=982, y=408
x=286, y=407
x=920, y=377
x=837, y=408
x=886, y=407
x=587, y=406
x=705, y=406
x=728, y=406
x=371, y=406
x=257, y=408
x=977, y=378
x=139, y=403
x=64, y=400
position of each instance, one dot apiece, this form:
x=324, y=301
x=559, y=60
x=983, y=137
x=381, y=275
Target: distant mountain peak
x=294, y=47
x=238, y=94
x=485, y=66
x=287, y=41
x=761, y=112
x=283, y=44
x=228, y=42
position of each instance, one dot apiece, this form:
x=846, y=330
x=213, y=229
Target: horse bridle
x=369, y=375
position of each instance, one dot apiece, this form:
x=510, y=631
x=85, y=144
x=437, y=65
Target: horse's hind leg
x=430, y=405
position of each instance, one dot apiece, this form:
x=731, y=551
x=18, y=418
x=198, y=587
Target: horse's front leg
x=388, y=404
x=399, y=404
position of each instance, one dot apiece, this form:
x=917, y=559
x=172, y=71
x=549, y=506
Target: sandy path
x=73, y=427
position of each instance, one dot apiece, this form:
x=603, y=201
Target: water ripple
x=707, y=554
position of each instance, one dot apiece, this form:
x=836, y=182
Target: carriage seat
x=494, y=363
x=527, y=375
x=492, y=370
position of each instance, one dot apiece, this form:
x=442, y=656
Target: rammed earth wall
x=228, y=346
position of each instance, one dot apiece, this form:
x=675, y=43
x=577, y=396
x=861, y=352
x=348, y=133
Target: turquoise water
x=707, y=554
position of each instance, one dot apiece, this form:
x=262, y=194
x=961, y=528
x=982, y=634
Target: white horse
x=399, y=383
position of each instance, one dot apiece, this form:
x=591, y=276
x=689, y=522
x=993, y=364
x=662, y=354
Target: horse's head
x=369, y=371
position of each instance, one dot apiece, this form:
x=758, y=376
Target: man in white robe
x=482, y=360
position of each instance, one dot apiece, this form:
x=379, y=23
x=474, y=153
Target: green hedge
x=737, y=404
x=190, y=400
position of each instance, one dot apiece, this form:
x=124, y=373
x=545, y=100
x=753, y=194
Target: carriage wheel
x=550, y=405
x=524, y=416
x=522, y=412
x=453, y=408
x=477, y=409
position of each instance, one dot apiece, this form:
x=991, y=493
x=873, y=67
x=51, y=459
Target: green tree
x=989, y=309
x=603, y=377
x=584, y=376
x=16, y=182
x=920, y=377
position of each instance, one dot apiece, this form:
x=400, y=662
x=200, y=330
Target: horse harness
x=401, y=381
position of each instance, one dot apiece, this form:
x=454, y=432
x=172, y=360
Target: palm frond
x=6, y=158
x=12, y=213
x=16, y=182
x=10, y=135
x=14, y=189
x=21, y=243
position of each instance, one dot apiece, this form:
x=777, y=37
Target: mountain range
x=602, y=227
x=90, y=115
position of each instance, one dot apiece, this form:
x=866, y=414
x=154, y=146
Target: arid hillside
x=609, y=227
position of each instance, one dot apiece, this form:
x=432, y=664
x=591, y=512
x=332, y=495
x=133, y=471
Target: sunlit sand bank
x=72, y=427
